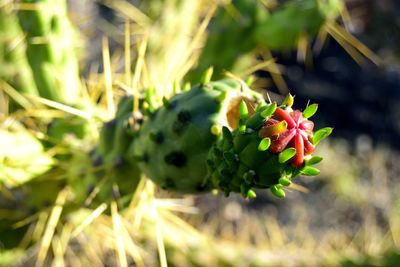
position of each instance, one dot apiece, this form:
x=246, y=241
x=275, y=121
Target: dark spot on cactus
x=154, y=114
x=119, y=161
x=170, y=105
x=33, y=210
x=92, y=153
x=184, y=116
x=97, y=161
x=89, y=189
x=169, y=183
x=157, y=137
x=115, y=193
x=110, y=124
x=46, y=203
x=62, y=184
x=176, y=158
x=178, y=127
x=146, y=157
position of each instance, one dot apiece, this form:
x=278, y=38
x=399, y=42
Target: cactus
x=244, y=147
x=173, y=143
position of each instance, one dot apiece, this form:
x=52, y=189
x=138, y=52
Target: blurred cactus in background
x=242, y=29
x=50, y=49
x=15, y=68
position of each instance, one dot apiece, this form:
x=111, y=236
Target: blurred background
x=349, y=215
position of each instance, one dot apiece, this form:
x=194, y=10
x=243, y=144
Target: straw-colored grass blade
x=160, y=246
x=130, y=11
x=59, y=106
x=89, y=219
x=127, y=50
x=108, y=77
x=118, y=235
x=15, y=95
x=345, y=38
x=50, y=227
x=276, y=74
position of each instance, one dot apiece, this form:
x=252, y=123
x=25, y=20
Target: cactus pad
x=174, y=142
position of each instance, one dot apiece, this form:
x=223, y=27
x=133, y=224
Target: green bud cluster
x=241, y=161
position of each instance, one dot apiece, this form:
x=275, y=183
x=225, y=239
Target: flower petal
x=284, y=115
x=282, y=141
x=298, y=159
x=297, y=116
x=274, y=129
x=308, y=147
x=307, y=126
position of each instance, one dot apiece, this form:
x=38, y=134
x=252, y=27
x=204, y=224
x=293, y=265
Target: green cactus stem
x=174, y=142
x=50, y=50
x=214, y=137
x=15, y=68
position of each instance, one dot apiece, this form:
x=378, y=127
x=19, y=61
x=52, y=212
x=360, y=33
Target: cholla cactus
x=214, y=137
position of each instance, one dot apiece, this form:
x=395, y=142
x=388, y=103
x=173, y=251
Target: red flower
x=289, y=128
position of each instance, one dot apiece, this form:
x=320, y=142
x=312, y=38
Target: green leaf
x=284, y=181
x=277, y=191
x=255, y=121
x=249, y=81
x=310, y=110
x=288, y=101
x=207, y=75
x=242, y=129
x=269, y=110
x=275, y=129
x=226, y=133
x=244, y=113
x=261, y=106
x=321, y=134
x=251, y=194
x=286, y=154
x=187, y=86
x=221, y=96
x=215, y=129
x=314, y=160
x=264, y=144
x=166, y=102
x=310, y=171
